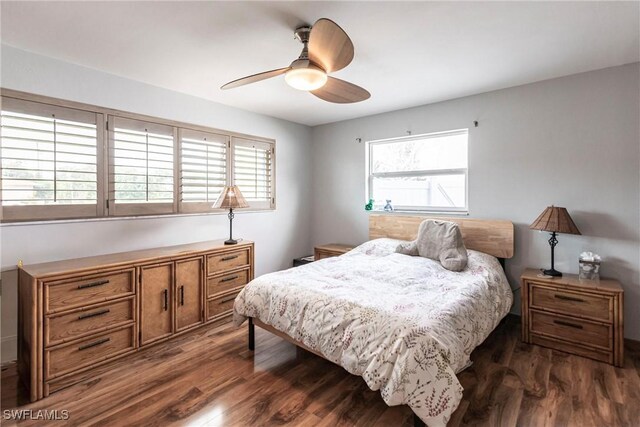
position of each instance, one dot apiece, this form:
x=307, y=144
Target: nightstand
x=331, y=250
x=579, y=317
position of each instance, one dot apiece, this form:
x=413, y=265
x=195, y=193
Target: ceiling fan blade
x=341, y=92
x=255, y=78
x=329, y=46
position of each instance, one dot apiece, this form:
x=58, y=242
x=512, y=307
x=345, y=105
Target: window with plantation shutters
x=253, y=171
x=50, y=161
x=67, y=160
x=203, y=169
x=141, y=176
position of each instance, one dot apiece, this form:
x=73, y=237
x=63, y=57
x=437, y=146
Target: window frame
x=246, y=142
x=58, y=211
x=370, y=176
x=105, y=207
x=199, y=207
x=128, y=209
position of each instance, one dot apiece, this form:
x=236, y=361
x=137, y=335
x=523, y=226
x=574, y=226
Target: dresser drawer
x=224, y=283
x=221, y=305
x=226, y=261
x=65, y=327
x=82, y=291
x=71, y=357
x=570, y=329
x=576, y=304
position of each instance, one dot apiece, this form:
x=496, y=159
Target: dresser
x=76, y=316
x=574, y=316
x=330, y=250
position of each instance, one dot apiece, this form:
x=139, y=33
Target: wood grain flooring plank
x=209, y=378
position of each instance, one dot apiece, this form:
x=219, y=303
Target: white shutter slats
x=61, y=160
x=142, y=167
x=47, y=159
x=203, y=165
x=252, y=171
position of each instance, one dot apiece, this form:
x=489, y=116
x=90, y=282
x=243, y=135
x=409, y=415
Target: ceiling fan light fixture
x=326, y=49
x=308, y=78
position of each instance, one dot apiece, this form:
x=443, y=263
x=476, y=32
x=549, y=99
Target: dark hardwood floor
x=210, y=378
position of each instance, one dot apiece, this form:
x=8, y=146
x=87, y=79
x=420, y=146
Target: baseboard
x=9, y=349
x=632, y=342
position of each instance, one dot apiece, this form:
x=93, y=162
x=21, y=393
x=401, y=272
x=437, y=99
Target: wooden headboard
x=494, y=237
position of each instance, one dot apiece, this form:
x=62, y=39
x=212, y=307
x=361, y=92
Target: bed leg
x=417, y=422
x=252, y=335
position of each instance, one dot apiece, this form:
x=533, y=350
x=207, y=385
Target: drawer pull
x=227, y=299
x=182, y=295
x=93, y=284
x=165, y=305
x=566, y=298
x=93, y=344
x=97, y=313
x=228, y=279
x=229, y=258
x=571, y=325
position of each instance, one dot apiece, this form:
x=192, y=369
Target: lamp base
x=553, y=273
x=230, y=242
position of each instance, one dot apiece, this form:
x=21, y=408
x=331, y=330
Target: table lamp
x=231, y=198
x=554, y=220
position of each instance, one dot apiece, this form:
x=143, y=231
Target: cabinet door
x=156, y=287
x=189, y=293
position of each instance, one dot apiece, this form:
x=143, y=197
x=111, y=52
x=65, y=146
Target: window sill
x=129, y=217
x=419, y=212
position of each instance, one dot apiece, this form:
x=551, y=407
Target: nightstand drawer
x=330, y=250
x=571, y=329
x=600, y=355
x=575, y=304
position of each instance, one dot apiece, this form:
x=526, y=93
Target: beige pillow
x=439, y=241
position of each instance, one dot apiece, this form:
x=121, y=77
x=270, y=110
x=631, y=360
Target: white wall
x=572, y=142
x=280, y=235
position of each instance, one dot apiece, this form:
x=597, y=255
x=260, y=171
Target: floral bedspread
x=404, y=324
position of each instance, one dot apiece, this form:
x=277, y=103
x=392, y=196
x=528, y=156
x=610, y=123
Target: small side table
x=331, y=250
x=583, y=317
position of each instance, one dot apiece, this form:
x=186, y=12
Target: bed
x=404, y=324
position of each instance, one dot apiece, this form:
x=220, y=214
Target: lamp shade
x=231, y=197
x=555, y=219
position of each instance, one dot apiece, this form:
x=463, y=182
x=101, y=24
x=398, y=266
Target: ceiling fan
x=326, y=48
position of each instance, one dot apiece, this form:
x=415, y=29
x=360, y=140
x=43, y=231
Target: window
x=252, y=171
x=141, y=176
x=49, y=161
x=203, y=168
x=61, y=159
x=425, y=172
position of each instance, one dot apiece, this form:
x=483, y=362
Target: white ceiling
x=407, y=53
